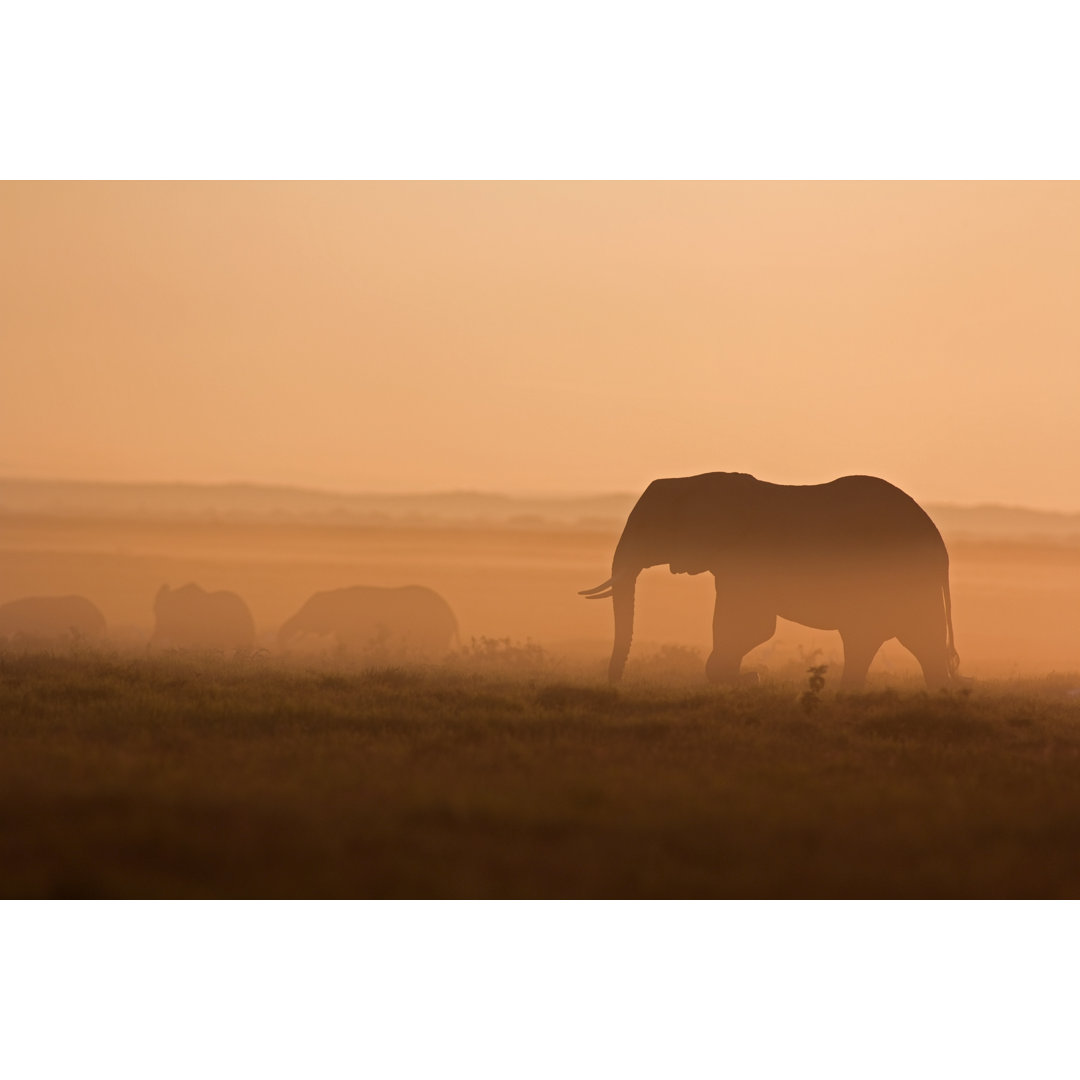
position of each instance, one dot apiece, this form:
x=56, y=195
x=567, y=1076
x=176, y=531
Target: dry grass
x=199, y=777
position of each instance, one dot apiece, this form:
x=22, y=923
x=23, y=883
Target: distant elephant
x=855, y=555
x=51, y=617
x=411, y=619
x=191, y=618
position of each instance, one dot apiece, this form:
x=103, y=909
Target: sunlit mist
x=544, y=337
x=517, y=540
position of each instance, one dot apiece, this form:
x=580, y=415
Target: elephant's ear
x=691, y=532
x=742, y=512
x=713, y=518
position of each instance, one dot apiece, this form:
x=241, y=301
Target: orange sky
x=540, y=337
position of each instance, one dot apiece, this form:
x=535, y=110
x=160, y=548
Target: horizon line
x=448, y=492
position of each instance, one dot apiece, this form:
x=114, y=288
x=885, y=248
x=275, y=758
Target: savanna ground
x=504, y=774
x=512, y=770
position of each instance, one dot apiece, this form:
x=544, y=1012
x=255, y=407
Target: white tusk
x=598, y=588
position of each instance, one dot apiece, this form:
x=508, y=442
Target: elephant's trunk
x=623, y=604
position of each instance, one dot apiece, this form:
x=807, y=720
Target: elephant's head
x=685, y=522
x=314, y=617
x=163, y=612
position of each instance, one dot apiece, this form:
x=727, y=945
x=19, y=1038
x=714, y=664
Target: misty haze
x=510, y=567
x=301, y=484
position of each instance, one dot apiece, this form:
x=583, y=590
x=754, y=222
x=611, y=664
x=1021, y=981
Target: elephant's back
x=193, y=618
x=393, y=602
x=230, y=603
x=857, y=518
x=429, y=604
x=234, y=611
x=873, y=506
x=402, y=618
x=40, y=614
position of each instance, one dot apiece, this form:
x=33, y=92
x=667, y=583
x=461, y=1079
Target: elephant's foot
x=959, y=684
x=728, y=674
x=743, y=678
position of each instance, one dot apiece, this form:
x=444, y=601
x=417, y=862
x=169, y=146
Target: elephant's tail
x=952, y=657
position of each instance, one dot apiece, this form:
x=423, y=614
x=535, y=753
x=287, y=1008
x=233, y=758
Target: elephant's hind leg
x=928, y=647
x=860, y=648
x=922, y=633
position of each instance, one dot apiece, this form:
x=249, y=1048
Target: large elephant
x=411, y=620
x=191, y=618
x=855, y=555
x=51, y=618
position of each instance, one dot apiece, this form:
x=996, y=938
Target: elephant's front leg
x=741, y=622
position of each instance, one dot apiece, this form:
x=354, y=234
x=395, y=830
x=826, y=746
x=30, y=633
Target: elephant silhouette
x=856, y=555
x=410, y=620
x=50, y=618
x=191, y=618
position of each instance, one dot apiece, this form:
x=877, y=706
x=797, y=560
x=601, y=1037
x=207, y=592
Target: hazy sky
x=577, y=337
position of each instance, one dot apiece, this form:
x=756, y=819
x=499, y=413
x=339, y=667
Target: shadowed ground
x=195, y=777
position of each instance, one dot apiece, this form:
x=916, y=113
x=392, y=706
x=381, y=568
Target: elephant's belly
x=827, y=597
x=818, y=618
x=834, y=606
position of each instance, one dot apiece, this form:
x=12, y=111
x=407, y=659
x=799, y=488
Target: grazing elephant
x=51, y=617
x=855, y=555
x=191, y=618
x=411, y=619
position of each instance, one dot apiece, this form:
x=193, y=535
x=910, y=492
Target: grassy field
x=504, y=775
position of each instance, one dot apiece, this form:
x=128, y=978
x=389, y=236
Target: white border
x=571, y=88
x=535, y=990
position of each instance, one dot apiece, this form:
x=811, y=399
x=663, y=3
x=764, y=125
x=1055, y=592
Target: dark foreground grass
x=199, y=778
